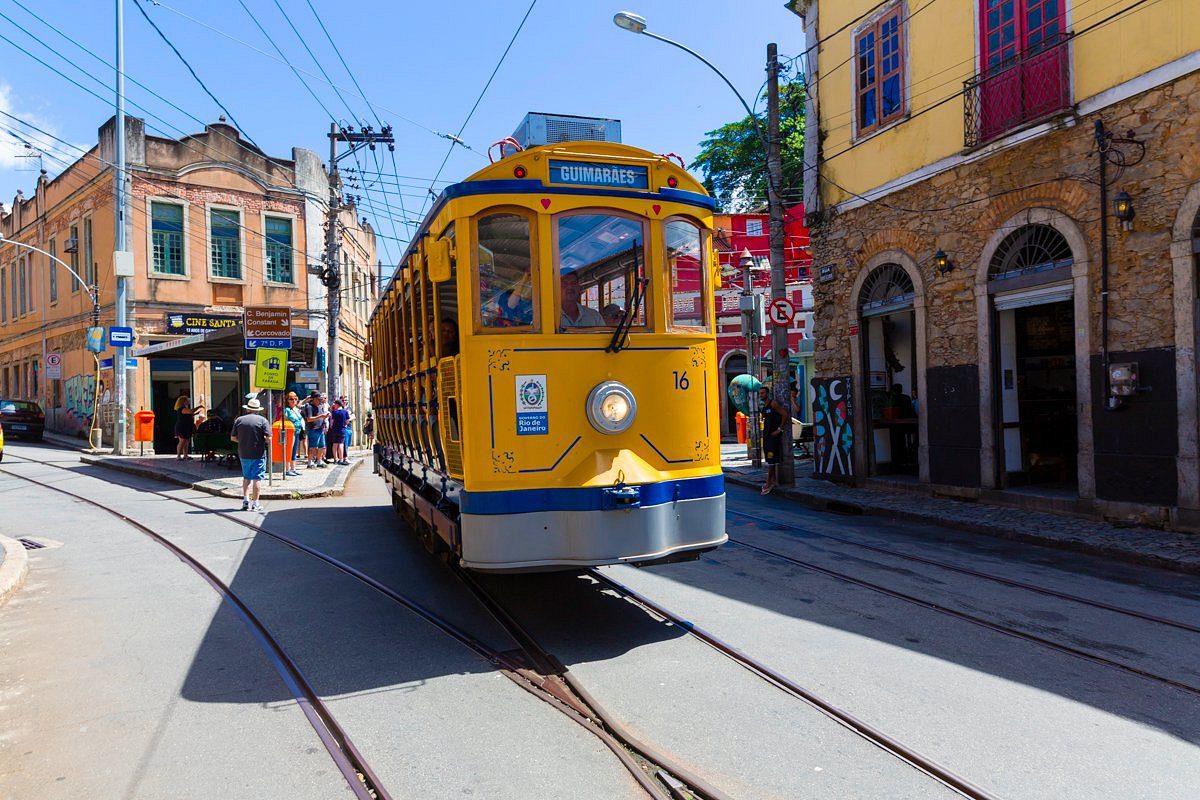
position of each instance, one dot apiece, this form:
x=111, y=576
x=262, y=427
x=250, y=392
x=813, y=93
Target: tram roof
x=474, y=185
x=225, y=344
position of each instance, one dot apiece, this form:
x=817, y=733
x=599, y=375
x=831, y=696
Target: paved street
x=1028, y=672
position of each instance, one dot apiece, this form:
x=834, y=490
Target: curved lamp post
x=94, y=292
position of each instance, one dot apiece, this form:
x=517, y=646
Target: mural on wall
x=833, y=429
x=80, y=393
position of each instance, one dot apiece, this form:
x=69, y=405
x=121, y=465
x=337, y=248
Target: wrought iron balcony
x=1031, y=85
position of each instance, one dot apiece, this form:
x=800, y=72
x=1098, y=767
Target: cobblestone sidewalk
x=224, y=482
x=1167, y=549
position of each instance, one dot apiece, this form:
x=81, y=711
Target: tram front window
x=600, y=257
x=505, y=269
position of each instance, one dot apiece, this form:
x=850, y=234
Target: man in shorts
x=316, y=415
x=251, y=432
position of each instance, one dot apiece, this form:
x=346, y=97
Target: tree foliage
x=733, y=158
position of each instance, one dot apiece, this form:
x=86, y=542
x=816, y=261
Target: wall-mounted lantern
x=1123, y=209
x=941, y=262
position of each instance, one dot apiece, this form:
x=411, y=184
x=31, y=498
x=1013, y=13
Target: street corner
x=14, y=566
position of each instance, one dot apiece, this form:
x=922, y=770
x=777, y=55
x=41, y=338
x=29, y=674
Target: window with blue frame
x=166, y=238
x=225, y=238
x=279, y=249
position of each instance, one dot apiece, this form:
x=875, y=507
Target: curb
x=821, y=503
x=13, y=568
x=332, y=487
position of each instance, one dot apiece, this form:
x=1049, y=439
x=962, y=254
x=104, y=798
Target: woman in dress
x=185, y=424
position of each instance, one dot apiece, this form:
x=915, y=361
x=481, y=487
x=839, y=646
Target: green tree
x=733, y=159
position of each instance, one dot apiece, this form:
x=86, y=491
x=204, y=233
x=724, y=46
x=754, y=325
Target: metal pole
x=271, y=437
x=750, y=320
x=119, y=370
x=45, y=276
x=332, y=277
x=781, y=368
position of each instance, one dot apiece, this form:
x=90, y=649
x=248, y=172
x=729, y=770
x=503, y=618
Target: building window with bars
x=166, y=238
x=754, y=227
x=879, y=72
x=73, y=249
x=278, y=243
x=3, y=296
x=24, y=271
x=53, y=267
x=89, y=264
x=225, y=238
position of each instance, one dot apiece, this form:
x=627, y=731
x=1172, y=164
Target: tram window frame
x=647, y=300
x=705, y=277
x=477, y=322
x=448, y=289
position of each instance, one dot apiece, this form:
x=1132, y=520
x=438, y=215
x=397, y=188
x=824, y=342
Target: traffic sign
x=120, y=337
x=107, y=363
x=53, y=366
x=270, y=368
x=782, y=312
x=267, y=326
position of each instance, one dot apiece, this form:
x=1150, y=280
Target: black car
x=23, y=418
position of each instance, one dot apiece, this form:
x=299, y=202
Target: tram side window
x=685, y=265
x=505, y=264
x=448, y=305
x=600, y=258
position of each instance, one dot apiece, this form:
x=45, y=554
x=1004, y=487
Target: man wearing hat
x=251, y=431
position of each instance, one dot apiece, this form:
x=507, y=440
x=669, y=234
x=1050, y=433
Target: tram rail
x=974, y=573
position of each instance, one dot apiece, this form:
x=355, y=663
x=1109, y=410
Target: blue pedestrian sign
x=120, y=337
x=269, y=344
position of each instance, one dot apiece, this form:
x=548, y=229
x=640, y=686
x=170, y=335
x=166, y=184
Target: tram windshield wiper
x=620, y=336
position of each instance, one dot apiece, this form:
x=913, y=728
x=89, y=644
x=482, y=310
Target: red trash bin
x=143, y=426
x=284, y=434
x=742, y=425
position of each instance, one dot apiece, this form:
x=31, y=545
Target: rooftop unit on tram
x=539, y=129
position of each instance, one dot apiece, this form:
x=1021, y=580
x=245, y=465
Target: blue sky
x=423, y=61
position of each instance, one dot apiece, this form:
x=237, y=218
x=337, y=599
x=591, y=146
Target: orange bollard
x=742, y=427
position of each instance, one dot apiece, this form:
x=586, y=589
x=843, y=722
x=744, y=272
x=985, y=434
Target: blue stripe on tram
x=591, y=498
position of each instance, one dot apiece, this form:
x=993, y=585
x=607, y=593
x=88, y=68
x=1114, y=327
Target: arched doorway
x=888, y=338
x=1034, y=351
x=735, y=364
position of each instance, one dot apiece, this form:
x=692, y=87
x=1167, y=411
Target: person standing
x=369, y=429
x=773, y=440
x=185, y=423
x=349, y=442
x=251, y=431
x=315, y=415
x=291, y=413
x=338, y=420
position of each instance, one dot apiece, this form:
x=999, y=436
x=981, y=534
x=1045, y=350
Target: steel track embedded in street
x=350, y=762
x=974, y=620
x=858, y=726
x=987, y=576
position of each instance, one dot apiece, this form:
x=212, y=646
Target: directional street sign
x=268, y=326
x=270, y=368
x=120, y=337
x=782, y=312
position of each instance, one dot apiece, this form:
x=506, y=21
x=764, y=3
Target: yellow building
x=215, y=225
x=995, y=339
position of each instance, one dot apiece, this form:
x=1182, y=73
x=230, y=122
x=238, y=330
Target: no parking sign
x=782, y=312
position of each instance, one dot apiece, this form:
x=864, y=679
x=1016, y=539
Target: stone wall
x=958, y=210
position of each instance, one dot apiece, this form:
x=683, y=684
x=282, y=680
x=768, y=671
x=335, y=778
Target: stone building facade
x=966, y=299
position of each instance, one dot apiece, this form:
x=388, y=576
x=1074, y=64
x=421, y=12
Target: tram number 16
x=681, y=381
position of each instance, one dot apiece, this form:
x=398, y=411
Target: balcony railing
x=1031, y=86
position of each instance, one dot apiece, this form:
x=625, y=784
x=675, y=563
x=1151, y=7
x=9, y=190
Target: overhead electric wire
x=179, y=55
x=458, y=137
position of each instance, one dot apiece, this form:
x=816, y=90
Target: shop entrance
x=889, y=347
x=166, y=384
x=1034, y=354
x=1037, y=394
x=226, y=401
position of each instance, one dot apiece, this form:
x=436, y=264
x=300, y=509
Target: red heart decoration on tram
x=657, y=208
x=545, y=202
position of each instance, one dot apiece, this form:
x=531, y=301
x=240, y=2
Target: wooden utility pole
x=780, y=357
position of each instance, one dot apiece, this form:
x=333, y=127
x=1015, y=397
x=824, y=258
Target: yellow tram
x=544, y=365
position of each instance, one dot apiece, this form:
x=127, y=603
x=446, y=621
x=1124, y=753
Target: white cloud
x=17, y=142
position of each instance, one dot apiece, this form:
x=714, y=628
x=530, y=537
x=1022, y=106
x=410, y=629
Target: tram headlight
x=611, y=407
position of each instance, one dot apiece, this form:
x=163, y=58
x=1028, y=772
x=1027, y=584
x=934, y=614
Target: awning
x=1037, y=296
x=226, y=344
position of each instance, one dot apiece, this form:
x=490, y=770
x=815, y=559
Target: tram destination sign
x=598, y=173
